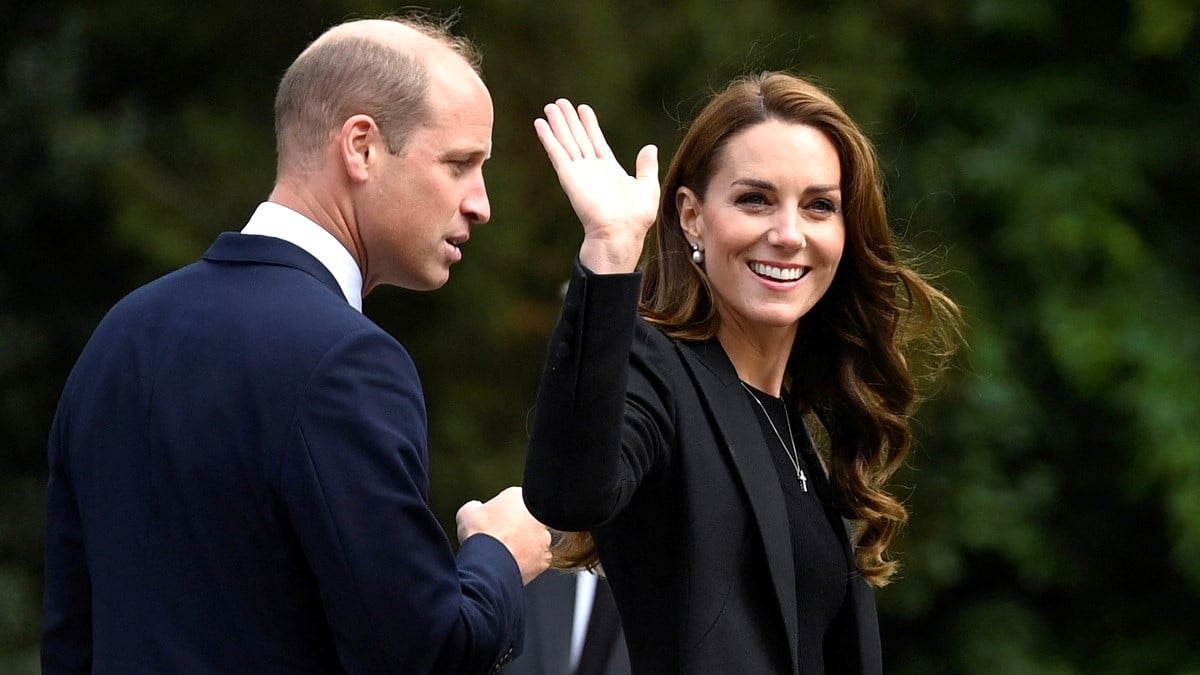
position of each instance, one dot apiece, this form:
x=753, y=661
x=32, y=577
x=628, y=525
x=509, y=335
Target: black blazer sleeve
x=603, y=408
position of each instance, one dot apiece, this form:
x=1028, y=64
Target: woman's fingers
x=575, y=127
x=577, y=130
x=591, y=127
x=557, y=119
x=646, y=165
x=609, y=201
x=554, y=149
x=564, y=121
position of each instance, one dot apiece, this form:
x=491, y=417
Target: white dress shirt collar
x=275, y=220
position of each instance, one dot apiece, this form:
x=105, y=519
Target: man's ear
x=687, y=204
x=359, y=145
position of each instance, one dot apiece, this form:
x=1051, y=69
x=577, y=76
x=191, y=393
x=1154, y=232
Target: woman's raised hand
x=616, y=209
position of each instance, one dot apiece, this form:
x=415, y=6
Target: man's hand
x=506, y=518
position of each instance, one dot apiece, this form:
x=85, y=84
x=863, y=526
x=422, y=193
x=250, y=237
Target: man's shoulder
x=247, y=286
x=262, y=304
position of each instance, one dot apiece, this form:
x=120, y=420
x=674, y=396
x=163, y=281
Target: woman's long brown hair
x=856, y=357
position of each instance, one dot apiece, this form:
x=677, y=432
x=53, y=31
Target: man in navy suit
x=238, y=464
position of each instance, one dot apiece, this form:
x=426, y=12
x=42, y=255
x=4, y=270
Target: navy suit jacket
x=239, y=484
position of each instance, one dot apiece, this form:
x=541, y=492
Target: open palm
x=616, y=209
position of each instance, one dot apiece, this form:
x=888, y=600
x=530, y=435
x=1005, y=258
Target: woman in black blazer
x=671, y=429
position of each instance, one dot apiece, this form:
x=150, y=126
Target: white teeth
x=777, y=273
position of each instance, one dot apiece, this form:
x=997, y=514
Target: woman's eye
x=823, y=205
x=752, y=199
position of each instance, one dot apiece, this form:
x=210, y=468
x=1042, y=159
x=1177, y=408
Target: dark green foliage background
x=1045, y=152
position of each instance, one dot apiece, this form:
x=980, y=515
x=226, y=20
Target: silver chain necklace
x=792, y=454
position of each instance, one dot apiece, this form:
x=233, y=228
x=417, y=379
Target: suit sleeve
x=603, y=406
x=66, y=644
x=355, y=485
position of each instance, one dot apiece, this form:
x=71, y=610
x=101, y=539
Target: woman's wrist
x=608, y=255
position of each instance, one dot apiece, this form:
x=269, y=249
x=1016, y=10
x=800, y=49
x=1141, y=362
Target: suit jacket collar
x=257, y=249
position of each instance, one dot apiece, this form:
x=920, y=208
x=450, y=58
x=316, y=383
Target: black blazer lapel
x=726, y=402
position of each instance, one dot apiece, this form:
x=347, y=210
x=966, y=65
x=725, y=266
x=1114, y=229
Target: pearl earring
x=697, y=253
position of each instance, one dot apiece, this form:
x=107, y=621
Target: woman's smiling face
x=770, y=224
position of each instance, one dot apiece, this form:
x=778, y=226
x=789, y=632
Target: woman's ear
x=687, y=204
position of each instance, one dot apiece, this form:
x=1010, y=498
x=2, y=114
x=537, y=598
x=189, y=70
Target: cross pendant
x=803, y=481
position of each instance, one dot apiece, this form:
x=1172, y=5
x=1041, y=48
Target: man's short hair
x=349, y=75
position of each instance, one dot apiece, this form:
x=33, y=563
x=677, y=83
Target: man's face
x=418, y=207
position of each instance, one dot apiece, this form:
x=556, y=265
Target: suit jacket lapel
x=555, y=613
x=728, y=406
x=603, y=627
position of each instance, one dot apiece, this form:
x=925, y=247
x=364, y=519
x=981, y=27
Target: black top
x=822, y=569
